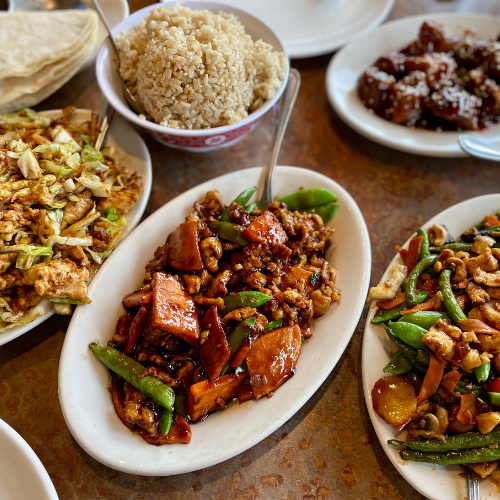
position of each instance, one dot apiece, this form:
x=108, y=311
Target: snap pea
x=229, y=231
x=482, y=372
x=424, y=319
x=326, y=212
x=469, y=440
x=398, y=365
x=409, y=333
x=180, y=405
x=131, y=371
x=165, y=421
x=389, y=314
x=494, y=398
x=308, y=198
x=244, y=299
x=412, y=296
x=470, y=456
x=273, y=324
x=237, y=336
x=469, y=388
x=419, y=359
x=242, y=199
x=451, y=304
x=424, y=247
x=249, y=208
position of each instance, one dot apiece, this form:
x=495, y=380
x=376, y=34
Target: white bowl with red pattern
x=190, y=140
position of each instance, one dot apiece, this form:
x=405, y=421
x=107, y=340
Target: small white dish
x=315, y=28
x=349, y=63
x=436, y=482
x=22, y=475
x=134, y=155
x=84, y=381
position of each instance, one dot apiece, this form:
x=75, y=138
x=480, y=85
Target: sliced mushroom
x=436, y=420
x=437, y=235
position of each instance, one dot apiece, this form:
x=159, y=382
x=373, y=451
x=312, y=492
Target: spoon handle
x=477, y=147
x=108, y=28
x=472, y=484
x=286, y=109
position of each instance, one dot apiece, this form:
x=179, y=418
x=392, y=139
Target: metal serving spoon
x=126, y=92
x=472, y=484
x=288, y=101
x=24, y=5
x=476, y=147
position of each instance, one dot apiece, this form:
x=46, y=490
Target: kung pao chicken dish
x=441, y=310
x=222, y=312
x=438, y=82
x=63, y=207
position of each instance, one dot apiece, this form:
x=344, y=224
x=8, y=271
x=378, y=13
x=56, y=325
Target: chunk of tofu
x=174, y=311
x=183, y=249
x=265, y=229
x=388, y=289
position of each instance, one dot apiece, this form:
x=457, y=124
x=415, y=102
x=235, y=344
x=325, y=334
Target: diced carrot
x=179, y=432
x=137, y=326
x=432, y=378
x=306, y=329
x=425, y=306
x=399, y=299
x=295, y=277
x=490, y=221
x=183, y=250
x=123, y=325
x=214, y=350
x=477, y=326
x=449, y=382
x=246, y=393
x=265, y=229
x=272, y=358
x=174, y=311
x=467, y=409
x=413, y=253
x=206, y=397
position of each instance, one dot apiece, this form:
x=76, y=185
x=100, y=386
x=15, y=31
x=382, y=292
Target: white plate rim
x=440, y=479
x=75, y=348
x=135, y=214
x=34, y=463
x=382, y=131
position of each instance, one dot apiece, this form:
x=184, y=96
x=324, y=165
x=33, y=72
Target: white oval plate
x=22, y=475
x=134, y=155
x=347, y=66
x=436, y=482
x=84, y=381
x=315, y=28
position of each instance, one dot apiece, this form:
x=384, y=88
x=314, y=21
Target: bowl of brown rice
x=204, y=72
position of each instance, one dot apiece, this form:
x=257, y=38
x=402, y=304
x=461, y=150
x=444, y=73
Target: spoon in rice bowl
x=126, y=92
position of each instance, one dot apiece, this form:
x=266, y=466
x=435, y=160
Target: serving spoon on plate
x=476, y=147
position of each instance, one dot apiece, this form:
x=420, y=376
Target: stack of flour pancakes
x=40, y=52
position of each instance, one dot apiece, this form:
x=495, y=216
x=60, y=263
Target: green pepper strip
x=389, y=314
x=244, y=299
x=165, y=421
x=308, y=198
x=131, y=371
x=494, y=398
x=409, y=333
x=419, y=359
x=482, y=372
x=451, y=304
x=229, y=231
x=469, y=388
x=424, y=319
x=65, y=300
x=411, y=282
x=326, y=212
x=466, y=441
x=424, y=248
x=237, y=336
x=398, y=365
x=472, y=456
x=242, y=199
x=273, y=324
x=180, y=405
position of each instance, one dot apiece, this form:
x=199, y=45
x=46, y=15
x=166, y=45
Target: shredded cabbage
x=28, y=249
x=72, y=240
x=115, y=226
x=110, y=213
x=60, y=170
x=90, y=154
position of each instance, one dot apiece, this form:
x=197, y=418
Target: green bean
x=389, y=314
x=424, y=248
x=131, y=371
x=411, y=282
x=244, y=299
x=308, y=198
x=398, y=365
x=326, y=212
x=424, y=319
x=469, y=440
x=409, y=333
x=494, y=398
x=472, y=456
x=482, y=372
x=419, y=359
x=451, y=304
x=242, y=199
x=165, y=421
x=456, y=247
x=273, y=324
x=229, y=231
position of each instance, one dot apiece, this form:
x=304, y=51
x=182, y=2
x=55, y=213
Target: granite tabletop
x=328, y=449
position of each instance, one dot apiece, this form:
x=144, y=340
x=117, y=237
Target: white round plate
x=134, y=155
x=84, y=381
x=115, y=12
x=315, y=28
x=348, y=65
x=22, y=475
x=436, y=482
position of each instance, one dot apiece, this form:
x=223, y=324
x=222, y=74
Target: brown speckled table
x=328, y=450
